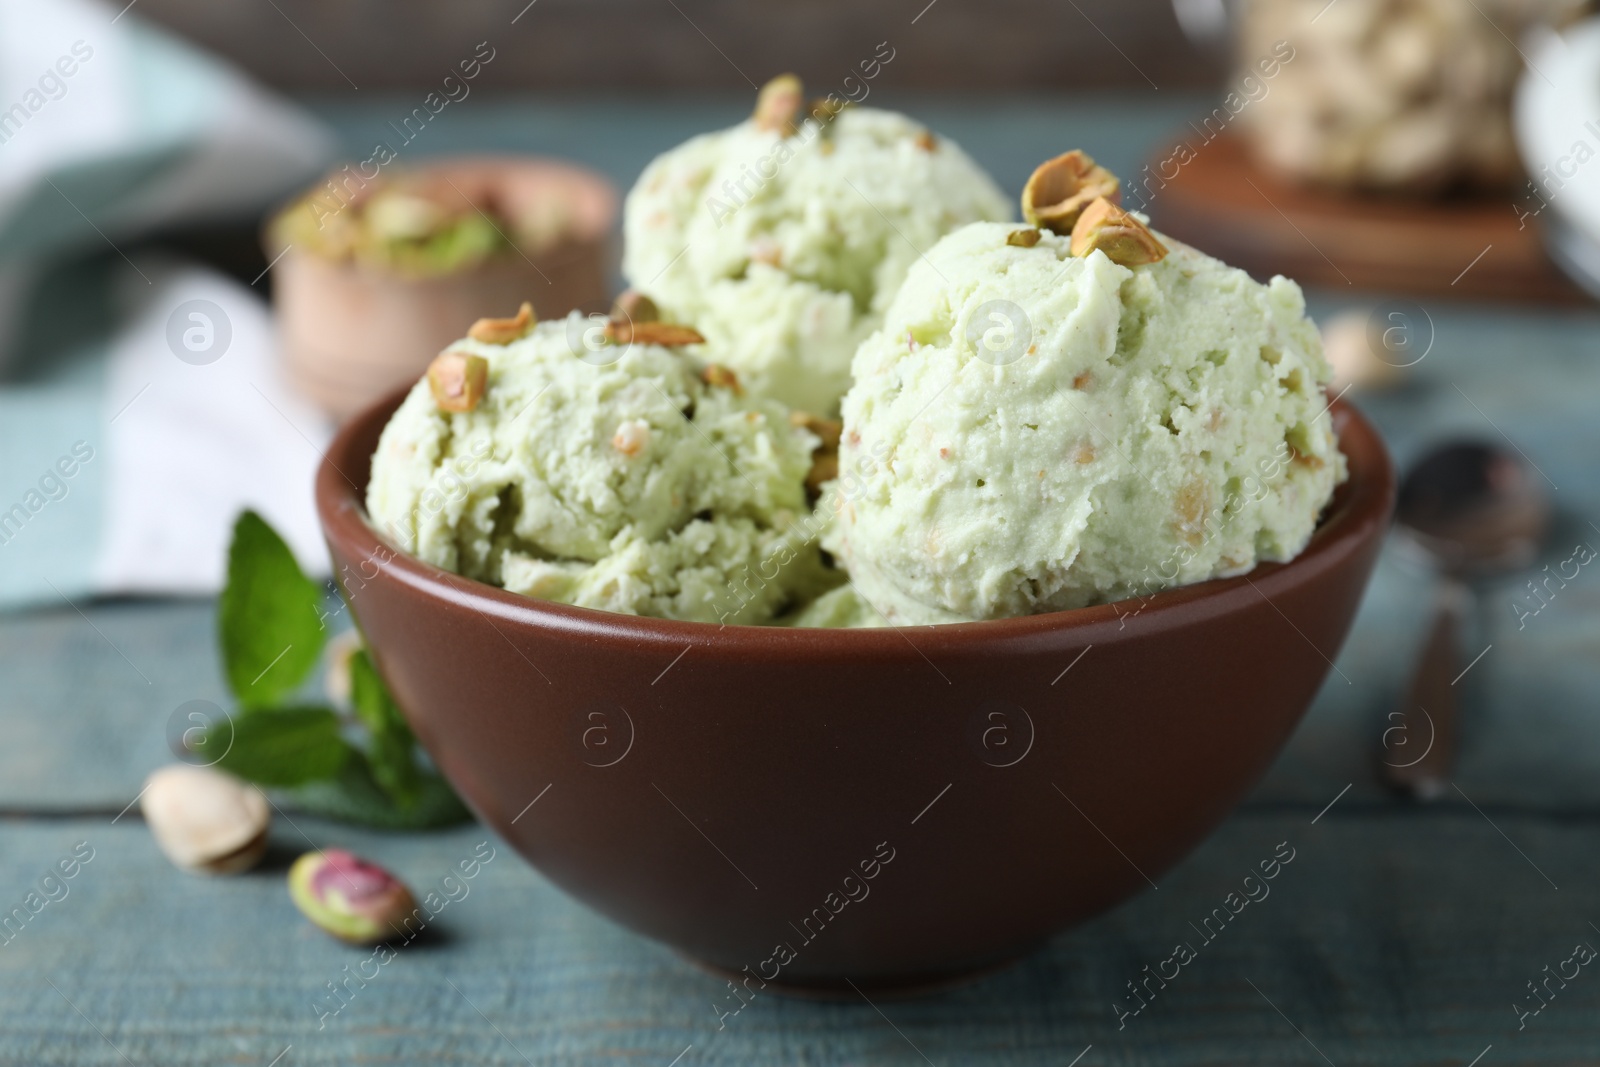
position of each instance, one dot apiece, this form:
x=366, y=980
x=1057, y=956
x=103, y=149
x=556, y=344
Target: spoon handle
x=1419, y=746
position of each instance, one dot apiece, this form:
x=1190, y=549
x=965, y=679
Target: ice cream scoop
x=604, y=465
x=783, y=238
x=1034, y=429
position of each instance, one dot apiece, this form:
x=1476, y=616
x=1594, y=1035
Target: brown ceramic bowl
x=892, y=808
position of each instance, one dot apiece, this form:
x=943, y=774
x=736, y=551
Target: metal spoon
x=1472, y=510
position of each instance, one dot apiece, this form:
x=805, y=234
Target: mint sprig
x=363, y=766
x=267, y=616
x=391, y=743
x=286, y=746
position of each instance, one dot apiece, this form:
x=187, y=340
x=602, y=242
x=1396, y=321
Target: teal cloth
x=173, y=92
x=53, y=402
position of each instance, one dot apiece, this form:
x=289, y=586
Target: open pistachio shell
x=204, y=820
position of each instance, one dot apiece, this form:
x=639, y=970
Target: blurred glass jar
x=1409, y=96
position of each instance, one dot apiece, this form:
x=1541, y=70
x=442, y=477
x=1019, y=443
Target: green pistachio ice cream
x=1032, y=431
x=608, y=477
x=1038, y=418
x=784, y=246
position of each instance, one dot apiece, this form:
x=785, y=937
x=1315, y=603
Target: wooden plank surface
x=1388, y=939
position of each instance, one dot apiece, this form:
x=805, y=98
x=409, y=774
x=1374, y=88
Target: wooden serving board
x=1462, y=247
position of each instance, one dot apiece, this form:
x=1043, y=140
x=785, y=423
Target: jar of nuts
x=1395, y=95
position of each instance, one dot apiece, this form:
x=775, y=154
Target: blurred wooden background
x=694, y=44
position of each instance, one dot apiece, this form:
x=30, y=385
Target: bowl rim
x=1360, y=510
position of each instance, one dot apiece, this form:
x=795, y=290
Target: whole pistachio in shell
x=348, y=897
x=206, y=821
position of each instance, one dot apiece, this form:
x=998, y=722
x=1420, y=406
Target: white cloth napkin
x=193, y=444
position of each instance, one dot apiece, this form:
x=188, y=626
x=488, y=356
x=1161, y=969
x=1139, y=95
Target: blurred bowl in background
x=1558, y=133
x=377, y=276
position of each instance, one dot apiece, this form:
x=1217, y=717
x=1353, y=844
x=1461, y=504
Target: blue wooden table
x=1398, y=935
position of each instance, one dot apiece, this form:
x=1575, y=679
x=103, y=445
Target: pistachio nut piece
x=826, y=108
x=779, y=105
x=825, y=460
x=631, y=437
x=665, y=334
x=348, y=897
x=458, y=380
x=1061, y=188
x=1121, y=236
x=633, y=306
x=504, y=331
x=719, y=377
x=824, y=469
x=206, y=821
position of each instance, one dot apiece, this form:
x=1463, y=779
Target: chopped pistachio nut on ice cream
x=607, y=476
x=1033, y=430
x=783, y=238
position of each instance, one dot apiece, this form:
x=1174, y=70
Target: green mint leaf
x=390, y=753
x=286, y=746
x=267, y=618
x=355, y=797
